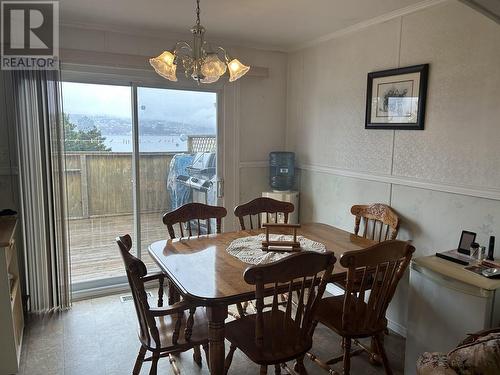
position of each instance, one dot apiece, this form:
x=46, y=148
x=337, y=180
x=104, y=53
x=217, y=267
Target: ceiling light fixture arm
x=225, y=54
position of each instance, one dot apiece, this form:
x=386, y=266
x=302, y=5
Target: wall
x=259, y=103
x=441, y=180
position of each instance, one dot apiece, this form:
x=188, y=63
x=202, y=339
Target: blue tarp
x=179, y=193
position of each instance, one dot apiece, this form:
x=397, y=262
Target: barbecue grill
x=200, y=175
x=200, y=178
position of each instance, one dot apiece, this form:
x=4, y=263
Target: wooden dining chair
x=279, y=335
x=257, y=207
x=260, y=206
x=163, y=330
x=357, y=313
x=380, y=222
x=184, y=216
x=199, y=213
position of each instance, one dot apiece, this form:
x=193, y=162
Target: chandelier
x=200, y=60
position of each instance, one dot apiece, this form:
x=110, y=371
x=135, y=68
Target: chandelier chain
x=198, y=12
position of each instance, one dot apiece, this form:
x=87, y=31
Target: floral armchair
x=477, y=354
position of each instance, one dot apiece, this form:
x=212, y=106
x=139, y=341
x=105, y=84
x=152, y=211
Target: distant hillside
x=109, y=125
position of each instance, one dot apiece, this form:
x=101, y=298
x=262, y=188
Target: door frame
x=227, y=134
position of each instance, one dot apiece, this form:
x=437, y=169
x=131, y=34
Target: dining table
x=204, y=273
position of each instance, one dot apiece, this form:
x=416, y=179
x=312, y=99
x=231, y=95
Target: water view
x=147, y=143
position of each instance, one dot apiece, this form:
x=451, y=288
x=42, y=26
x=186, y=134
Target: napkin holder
x=281, y=246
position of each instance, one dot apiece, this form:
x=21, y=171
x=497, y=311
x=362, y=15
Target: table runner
x=249, y=249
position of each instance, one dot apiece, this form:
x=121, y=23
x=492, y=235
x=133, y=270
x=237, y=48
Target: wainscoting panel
x=253, y=181
x=328, y=198
x=432, y=220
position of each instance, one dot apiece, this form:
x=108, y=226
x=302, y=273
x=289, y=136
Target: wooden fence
x=99, y=183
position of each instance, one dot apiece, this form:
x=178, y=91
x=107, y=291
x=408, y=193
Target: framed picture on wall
x=395, y=98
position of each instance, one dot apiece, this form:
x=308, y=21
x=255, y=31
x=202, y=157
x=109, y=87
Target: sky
x=194, y=107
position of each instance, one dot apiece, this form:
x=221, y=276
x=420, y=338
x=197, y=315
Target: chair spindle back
x=298, y=272
x=377, y=269
x=137, y=275
x=380, y=222
x=196, y=212
x=260, y=206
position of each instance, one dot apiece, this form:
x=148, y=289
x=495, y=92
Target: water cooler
x=282, y=180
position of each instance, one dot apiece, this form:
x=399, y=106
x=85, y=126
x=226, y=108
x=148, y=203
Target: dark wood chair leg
x=197, y=355
x=154, y=363
x=263, y=370
x=347, y=356
x=299, y=366
x=375, y=358
x=277, y=370
x=207, y=352
x=241, y=310
x=380, y=347
x=175, y=369
x=173, y=294
x=139, y=361
x=229, y=358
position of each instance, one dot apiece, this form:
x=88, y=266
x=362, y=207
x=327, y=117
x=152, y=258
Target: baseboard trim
x=473, y=191
x=396, y=327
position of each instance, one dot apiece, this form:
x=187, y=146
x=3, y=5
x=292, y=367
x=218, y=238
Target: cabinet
x=446, y=303
x=11, y=307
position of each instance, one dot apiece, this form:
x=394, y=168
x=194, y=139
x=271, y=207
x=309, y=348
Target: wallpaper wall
x=441, y=180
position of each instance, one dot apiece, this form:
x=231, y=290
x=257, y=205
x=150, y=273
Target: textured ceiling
x=274, y=24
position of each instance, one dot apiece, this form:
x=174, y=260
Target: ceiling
x=273, y=24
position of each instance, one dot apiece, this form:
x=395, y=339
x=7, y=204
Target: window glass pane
x=177, y=145
x=98, y=139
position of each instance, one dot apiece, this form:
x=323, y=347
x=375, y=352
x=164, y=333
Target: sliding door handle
x=220, y=188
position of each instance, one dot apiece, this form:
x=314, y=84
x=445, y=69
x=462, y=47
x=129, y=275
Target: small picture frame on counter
x=466, y=240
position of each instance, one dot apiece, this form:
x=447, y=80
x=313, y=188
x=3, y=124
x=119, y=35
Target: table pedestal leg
x=216, y=317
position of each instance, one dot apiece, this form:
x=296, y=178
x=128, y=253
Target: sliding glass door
x=164, y=140
x=177, y=155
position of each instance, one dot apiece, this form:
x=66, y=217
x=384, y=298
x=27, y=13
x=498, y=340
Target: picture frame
x=466, y=239
x=395, y=98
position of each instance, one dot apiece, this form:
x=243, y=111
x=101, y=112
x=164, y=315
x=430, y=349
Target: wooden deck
x=93, y=250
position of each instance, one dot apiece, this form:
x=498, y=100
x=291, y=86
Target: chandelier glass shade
x=164, y=65
x=200, y=60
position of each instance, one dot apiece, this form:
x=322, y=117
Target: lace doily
x=248, y=249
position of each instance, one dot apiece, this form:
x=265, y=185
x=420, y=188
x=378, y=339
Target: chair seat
x=282, y=341
x=329, y=313
x=166, y=326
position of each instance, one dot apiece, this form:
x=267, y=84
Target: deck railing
x=99, y=183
